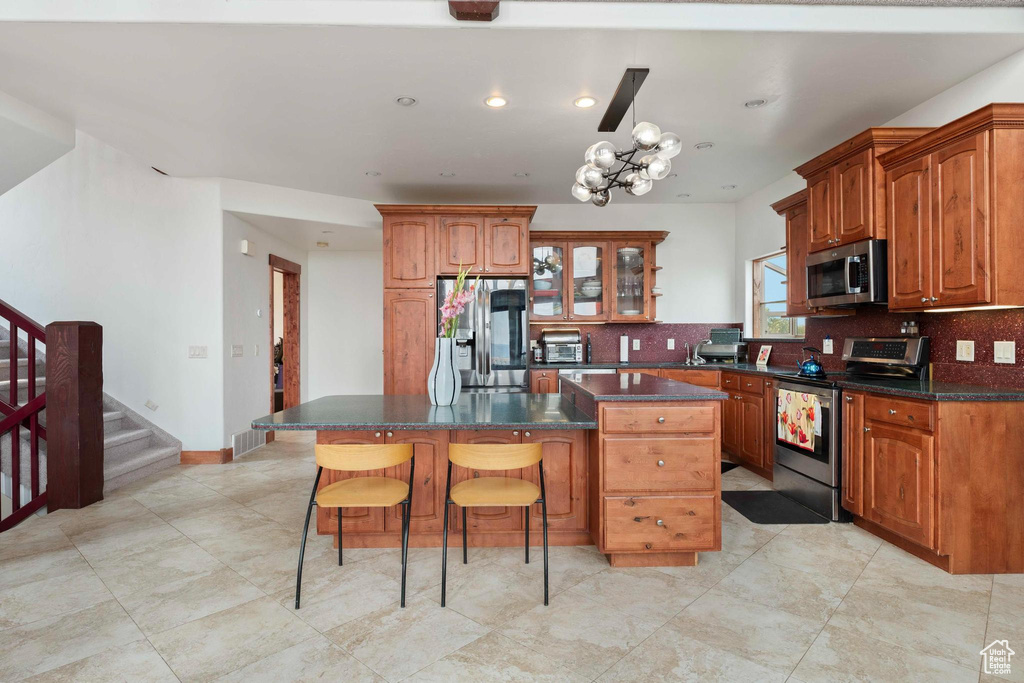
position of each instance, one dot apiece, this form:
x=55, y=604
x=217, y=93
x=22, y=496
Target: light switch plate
x=826, y=346
x=636, y=344
x=1005, y=352
x=671, y=344
x=236, y=351
x=197, y=352
x=965, y=350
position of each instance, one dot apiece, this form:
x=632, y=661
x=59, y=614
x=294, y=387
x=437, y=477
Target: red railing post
x=74, y=414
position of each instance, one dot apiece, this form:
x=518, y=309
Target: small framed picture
x=762, y=356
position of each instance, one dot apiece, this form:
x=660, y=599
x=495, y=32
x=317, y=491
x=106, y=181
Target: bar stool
x=494, y=491
x=359, y=492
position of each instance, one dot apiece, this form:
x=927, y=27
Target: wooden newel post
x=74, y=414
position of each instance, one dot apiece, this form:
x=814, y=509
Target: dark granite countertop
x=638, y=387
x=473, y=411
x=930, y=390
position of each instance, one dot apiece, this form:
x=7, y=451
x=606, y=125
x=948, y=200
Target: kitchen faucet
x=686, y=348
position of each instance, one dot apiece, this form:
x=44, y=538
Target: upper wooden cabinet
x=953, y=198
x=409, y=251
x=794, y=208
x=846, y=188
x=594, y=276
x=409, y=333
x=461, y=240
x=507, y=245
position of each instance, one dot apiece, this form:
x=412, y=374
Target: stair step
x=126, y=444
x=113, y=422
x=143, y=463
x=5, y=365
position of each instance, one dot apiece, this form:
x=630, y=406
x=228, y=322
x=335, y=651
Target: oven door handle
x=852, y=262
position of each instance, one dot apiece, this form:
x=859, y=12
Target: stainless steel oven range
x=808, y=419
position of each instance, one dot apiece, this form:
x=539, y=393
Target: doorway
x=284, y=334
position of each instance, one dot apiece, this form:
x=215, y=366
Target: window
x=770, y=299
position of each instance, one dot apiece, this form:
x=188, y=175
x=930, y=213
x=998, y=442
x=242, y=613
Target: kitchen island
x=631, y=465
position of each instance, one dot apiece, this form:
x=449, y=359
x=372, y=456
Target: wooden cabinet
x=565, y=479
x=543, y=381
x=431, y=455
x=507, y=245
x=655, y=372
x=487, y=518
x=409, y=251
x=748, y=420
x=700, y=378
x=794, y=208
x=845, y=188
x=852, y=475
x=353, y=519
x=409, y=335
x=671, y=523
x=732, y=429
x=593, y=276
x=751, y=418
x=953, y=197
x=461, y=240
x=900, y=481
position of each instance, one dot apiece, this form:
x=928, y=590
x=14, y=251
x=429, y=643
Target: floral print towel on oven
x=799, y=418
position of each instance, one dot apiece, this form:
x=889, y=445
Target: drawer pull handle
x=647, y=545
x=901, y=491
x=849, y=399
x=867, y=429
x=662, y=523
x=661, y=463
x=661, y=420
x=749, y=384
x=892, y=411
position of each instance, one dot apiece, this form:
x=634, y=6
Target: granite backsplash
x=944, y=329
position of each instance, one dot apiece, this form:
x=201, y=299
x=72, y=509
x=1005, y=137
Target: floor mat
x=770, y=507
x=726, y=466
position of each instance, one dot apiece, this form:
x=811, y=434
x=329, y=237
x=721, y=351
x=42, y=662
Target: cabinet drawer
x=625, y=419
x=660, y=463
x=750, y=384
x=640, y=524
x=730, y=380
x=702, y=378
x=903, y=412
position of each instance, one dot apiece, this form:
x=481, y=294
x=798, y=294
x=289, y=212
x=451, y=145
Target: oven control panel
x=903, y=351
x=882, y=350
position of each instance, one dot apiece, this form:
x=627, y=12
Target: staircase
x=132, y=447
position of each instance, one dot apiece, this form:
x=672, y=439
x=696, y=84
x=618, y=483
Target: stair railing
x=14, y=416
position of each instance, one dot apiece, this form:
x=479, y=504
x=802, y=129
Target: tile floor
x=189, y=575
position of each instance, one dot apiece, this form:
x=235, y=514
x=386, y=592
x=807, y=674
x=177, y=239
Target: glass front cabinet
x=581, y=280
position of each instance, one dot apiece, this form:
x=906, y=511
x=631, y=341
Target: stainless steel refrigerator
x=492, y=336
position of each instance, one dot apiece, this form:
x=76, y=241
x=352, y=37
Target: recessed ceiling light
x=405, y=101
x=754, y=104
x=495, y=101
x=446, y=174
x=728, y=187
x=521, y=174
x=584, y=102
x=322, y=244
x=704, y=145
x=683, y=195
x=373, y=174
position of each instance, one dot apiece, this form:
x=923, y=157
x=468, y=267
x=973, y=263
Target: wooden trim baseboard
x=220, y=457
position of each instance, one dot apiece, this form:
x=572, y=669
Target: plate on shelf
x=631, y=311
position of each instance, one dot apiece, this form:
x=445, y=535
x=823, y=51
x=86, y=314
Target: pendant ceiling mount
x=598, y=176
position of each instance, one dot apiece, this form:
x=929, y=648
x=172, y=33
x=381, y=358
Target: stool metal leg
x=544, y=522
x=465, y=551
x=444, y=533
x=340, y=510
x=527, y=535
x=406, y=523
x=305, y=531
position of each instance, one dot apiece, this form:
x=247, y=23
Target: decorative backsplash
x=653, y=339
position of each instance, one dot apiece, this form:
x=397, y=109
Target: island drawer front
x=686, y=523
x=660, y=463
x=619, y=419
x=702, y=378
x=903, y=412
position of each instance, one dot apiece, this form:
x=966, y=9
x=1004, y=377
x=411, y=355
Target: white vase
x=444, y=383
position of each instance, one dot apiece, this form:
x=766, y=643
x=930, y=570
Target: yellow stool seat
x=487, y=491
x=358, y=492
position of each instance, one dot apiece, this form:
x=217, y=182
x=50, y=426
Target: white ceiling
x=305, y=234
x=312, y=107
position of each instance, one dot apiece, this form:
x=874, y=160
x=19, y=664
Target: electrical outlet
x=826, y=346
x=671, y=344
x=197, y=352
x=256, y=350
x=1005, y=352
x=965, y=350
x=636, y=344
x=236, y=351
x=151, y=405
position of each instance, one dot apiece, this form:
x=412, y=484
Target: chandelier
x=607, y=167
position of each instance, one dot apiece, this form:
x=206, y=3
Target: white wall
x=697, y=256
x=346, y=323
x=30, y=140
x=97, y=235
x=246, y=290
x=759, y=230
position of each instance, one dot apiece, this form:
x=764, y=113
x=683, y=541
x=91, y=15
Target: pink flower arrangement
x=455, y=303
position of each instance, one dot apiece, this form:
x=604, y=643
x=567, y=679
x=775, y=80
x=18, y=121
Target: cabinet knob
x=487, y=270
x=849, y=399
x=661, y=522
x=571, y=318
x=901, y=491
x=661, y=420
x=565, y=317
x=526, y=433
x=430, y=296
x=390, y=434
x=515, y=433
x=480, y=268
x=935, y=298
x=661, y=463
x=867, y=429
x=749, y=384
x=892, y=411
x=924, y=299
x=377, y=434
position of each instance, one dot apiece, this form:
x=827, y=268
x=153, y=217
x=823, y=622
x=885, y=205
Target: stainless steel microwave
x=848, y=275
